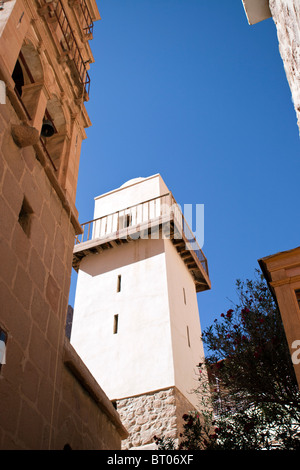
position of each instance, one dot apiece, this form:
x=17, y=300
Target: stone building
x=282, y=270
x=48, y=397
x=136, y=320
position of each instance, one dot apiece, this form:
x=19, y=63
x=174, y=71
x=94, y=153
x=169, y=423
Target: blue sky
x=187, y=89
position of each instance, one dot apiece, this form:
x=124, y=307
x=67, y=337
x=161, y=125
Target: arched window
x=44, y=114
x=56, y=144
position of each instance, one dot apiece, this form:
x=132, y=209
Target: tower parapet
x=158, y=217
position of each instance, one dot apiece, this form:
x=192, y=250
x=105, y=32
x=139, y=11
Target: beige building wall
x=48, y=398
x=282, y=271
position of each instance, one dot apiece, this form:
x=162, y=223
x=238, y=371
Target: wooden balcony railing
x=88, y=26
x=139, y=219
x=69, y=43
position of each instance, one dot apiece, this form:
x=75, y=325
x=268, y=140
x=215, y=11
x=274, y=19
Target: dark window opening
x=18, y=78
x=25, y=217
x=188, y=336
x=119, y=284
x=125, y=221
x=184, y=297
x=297, y=292
x=116, y=321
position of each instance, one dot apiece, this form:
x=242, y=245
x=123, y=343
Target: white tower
x=136, y=321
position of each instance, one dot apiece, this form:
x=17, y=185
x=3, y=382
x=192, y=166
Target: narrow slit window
x=184, y=297
x=119, y=283
x=297, y=292
x=25, y=217
x=188, y=336
x=116, y=321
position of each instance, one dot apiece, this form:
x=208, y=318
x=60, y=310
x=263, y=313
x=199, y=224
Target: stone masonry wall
x=286, y=15
x=158, y=413
x=47, y=398
x=148, y=415
x=42, y=404
x=34, y=282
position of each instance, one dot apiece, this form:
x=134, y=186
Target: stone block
x=12, y=192
x=30, y=426
x=40, y=309
x=60, y=244
x=14, y=318
x=12, y=155
x=48, y=222
x=10, y=406
x=29, y=157
x=8, y=219
x=39, y=350
x=56, y=206
x=52, y=330
x=53, y=293
x=24, y=135
x=45, y=397
x=48, y=252
x=9, y=263
x=30, y=386
x=32, y=193
x=58, y=270
x=37, y=270
x=21, y=245
x=12, y=371
x=23, y=287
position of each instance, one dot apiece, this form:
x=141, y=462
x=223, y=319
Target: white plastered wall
x=150, y=351
x=185, y=324
x=133, y=192
x=138, y=358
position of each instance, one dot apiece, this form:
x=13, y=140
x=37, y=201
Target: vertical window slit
x=188, y=336
x=119, y=284
x=116, y=321
x=297, y=292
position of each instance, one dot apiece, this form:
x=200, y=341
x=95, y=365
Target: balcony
x=55, y=12
x=88, y=25
x=159, y=217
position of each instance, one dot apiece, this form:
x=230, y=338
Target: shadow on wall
x=120, y=256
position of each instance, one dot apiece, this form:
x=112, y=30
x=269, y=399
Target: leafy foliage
x=248, y=351
x=253, y=388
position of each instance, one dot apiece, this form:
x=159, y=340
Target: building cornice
x=257, y=10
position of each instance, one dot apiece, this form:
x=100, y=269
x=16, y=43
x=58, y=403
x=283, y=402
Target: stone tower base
x=152, y=414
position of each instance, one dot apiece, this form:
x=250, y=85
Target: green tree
x=248, y=352
x=254, y=391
